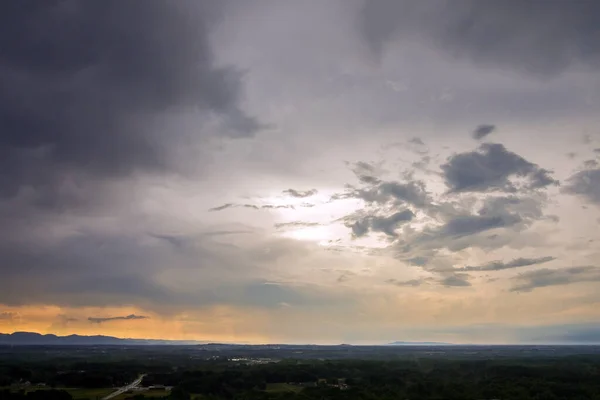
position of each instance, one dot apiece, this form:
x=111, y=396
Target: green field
x=77, y=393
x=146, y=393
x=91, y=394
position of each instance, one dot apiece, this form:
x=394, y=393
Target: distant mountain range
x=419, y=344
x=31, y=338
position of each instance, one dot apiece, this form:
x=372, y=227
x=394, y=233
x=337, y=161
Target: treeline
x=36, y=395
x=378, y=380
x=80, y=374
x=544, y=378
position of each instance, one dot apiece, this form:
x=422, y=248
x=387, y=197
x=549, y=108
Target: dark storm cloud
x=300, y=193
x=387, y=225
x=83, y=270
x=482, y=131
x=516, y=263
x=490, y=168
x=99, y=320
x=107, y=270
x=585, y=184
x=536, y=37
x=529, y=281
x=85, y=85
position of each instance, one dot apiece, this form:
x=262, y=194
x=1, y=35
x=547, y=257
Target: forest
x=547, y=376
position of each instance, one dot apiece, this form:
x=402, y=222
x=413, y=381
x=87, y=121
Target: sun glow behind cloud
x=361, y=166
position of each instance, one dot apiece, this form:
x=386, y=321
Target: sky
x=279, y=171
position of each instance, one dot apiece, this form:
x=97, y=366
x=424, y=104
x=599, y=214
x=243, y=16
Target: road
x=125, y=388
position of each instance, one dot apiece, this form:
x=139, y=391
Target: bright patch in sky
x=399, y=176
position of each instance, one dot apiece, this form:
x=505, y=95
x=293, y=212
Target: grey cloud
x=516, y=263
x=296, y=224
x=462, y=228
x=173, y=240
x=86, y=86
x=590, y=164
x=369, y=179
x=418, y=261
x=541, y=178
x=365, y=166
x=266, y=294
x=482, y=131
x=360, y=228
x=466, y=225
x=387, y=225
x=221, y=208
x=88, y=270
x=597, y=150
x=8, y=316
x=585, y=184
x=300, y=193
x=534, y=37
x=529, y=281
x=408, y=283
x=62, y=321
x=366, y=173
x=99, y=320
x=526, y=208
x=345, y=276
x=228, y=232
x=417, y=141
x=261, y=207
x=490, y=168
x=106, y=270
x=272, y=206
x=456, y=280
x=382, y=192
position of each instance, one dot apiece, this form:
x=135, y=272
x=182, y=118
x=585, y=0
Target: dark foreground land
x=301, y=372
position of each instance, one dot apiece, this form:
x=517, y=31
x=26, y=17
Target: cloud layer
x=228, y=171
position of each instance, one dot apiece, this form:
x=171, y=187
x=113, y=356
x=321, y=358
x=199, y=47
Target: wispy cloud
x=300, y=193
x=261, y=207
x=529, y=281
x=482, y=131
x=130, y=317
x=8, y=316
x=516, y=263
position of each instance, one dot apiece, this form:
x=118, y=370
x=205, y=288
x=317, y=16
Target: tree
x=179, y=393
